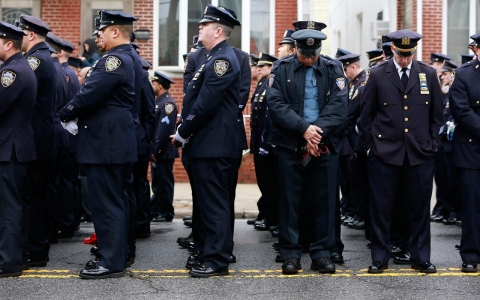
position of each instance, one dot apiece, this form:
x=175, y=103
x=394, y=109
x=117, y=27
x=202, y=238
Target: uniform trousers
x=386, y=181
x=68, y=194
x=142, y=194
x=129, y=192
x=210, y=181
x=110, y=211
x=266, y=173
x=12, y=182
x=315, y=186
x=162, y=186
x=232, y=186
x=470, y=242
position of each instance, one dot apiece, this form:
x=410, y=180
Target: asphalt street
x=159, y=273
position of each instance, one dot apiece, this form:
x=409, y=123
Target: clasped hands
x=313, y=138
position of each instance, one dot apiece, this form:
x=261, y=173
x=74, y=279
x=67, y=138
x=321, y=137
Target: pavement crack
x=149, y=283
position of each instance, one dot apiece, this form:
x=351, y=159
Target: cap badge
x=311, y=25
x=112, y=63
x=221, y=67
x=285, y=34
x=310, y=41
x=406, y=40
x=8, y=77
x=33, y=62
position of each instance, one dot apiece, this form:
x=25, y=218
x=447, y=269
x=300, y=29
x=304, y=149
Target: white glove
x=179, y=138
x=368, y=151
x=71, y=126
x=356, y=129
x=262, y=151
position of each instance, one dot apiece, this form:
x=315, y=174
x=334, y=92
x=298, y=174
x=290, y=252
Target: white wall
x=350, y=24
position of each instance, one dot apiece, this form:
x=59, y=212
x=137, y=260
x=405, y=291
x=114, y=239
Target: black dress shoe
x=459, y=223
x=142, y=234
x=94, y=250
x=449, y=221
x=160, y=219
x=276, y=246
x=187, y=218
x=65, y=235
x=457, y=246
x=469, y=266
x=291, y=266
x=402, y=259
x=348, y=220
x=275, y=233
x=252, y=221
x=92, y=264
x=194, y=261
x=336, y=258
x=359, y=225
x=188, y=223
x=185, y=241
x=233, y=259
x=425, y=267
x=437, y=219
x=191, y=247
x=37, y=263
x=323, y=265
x=369, y=244
x=204, y=271
x=395, y=251
x=262, y=225
x=377, y=267
x=279, y=259
x=273, y=228
x=101, y=273
x=4, y=274
x=130, y=261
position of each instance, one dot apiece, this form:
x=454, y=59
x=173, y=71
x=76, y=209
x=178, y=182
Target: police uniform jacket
x=62, y=138
x=73, y=89
x=104, y=106
x=286, y=95
x=210, y=106
x=447, y=117
x=354, y=98
x=192, y=63
x=465, y=108
x=259, y=118
x=395, y=121
x=18, y=90
x=43, y=123
x=246, y=81
x=166, y=115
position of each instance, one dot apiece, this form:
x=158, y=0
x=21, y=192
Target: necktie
x=404, y=78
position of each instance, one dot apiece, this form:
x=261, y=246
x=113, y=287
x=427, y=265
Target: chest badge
x=340, y=81
x=33, y=62
x=8, y=77
x=67, y=78
x=220, y=67
x=169, y=107
x=423, y=84
x=112, y=63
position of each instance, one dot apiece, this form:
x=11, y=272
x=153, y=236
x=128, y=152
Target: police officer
x=209, y=132
x=437, y=60
x=401, y=117
x=387, y=47
x=287, y=45
x=308, y=112
x=18, y=88
x=163, y=153
x=466, y=58
x=106, y=133
x=375, y=57
x=263, y=156
x=41, y=170
x=465, y=105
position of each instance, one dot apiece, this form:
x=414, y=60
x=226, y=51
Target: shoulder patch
x=271, y=80
x=367, y=76
x=169, y=107
x=340, y=81
x=220, y=67
x=112, y=63
x=8, y=77
x=452, y=78
x=67, y=78
x=33, y=62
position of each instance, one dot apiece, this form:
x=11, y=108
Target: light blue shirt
x=311, y=107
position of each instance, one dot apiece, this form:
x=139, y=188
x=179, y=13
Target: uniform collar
x=121, y=47
x=359, y=75
x=218, y=47
x=316, y=66
x=476, y=65
x=39, y=46
x=11, y=58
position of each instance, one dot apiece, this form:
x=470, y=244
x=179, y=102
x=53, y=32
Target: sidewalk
x=245, y=201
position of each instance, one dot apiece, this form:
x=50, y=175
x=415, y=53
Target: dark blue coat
x=353, y=111
x=259, y=121
x=43, y=123
x=465, y=108
x=246, y=81
x=62, y=136
x=18, y=90
x=193, y=62
x=166, y=115
x=73, y=89
x=395, y=121
x=210, y=106
x=104, y=106
x=285, y=102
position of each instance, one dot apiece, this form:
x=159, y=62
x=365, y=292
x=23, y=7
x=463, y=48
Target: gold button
x=470, y=140
x=238, y=120
x=193, y=86
x=405, y=97
x=379, y=135
x=384, y=104
x=406, y=119
x=406, y=129
x=405, y=107
x=478, y=102
x=426, y=103
x=159, y=151
x=85, y=126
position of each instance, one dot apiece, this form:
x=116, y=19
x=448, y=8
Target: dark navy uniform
x=43, y=124
x=106, y=133
x=210, y=123
x=18, y=87
x=165, y=153
x=400, y=124
x=291, y=117
x=192, y=63
x=465, y=109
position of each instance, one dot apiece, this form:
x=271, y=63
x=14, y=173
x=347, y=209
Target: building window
x=235, y=39
x=407, y=17
x=9, y=15
x=168, y=32
x=457, y=28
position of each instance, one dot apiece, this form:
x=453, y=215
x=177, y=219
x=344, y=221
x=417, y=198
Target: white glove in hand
x=356, y=129
x=71, y=126
x=262, y=151
x=180, y=139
